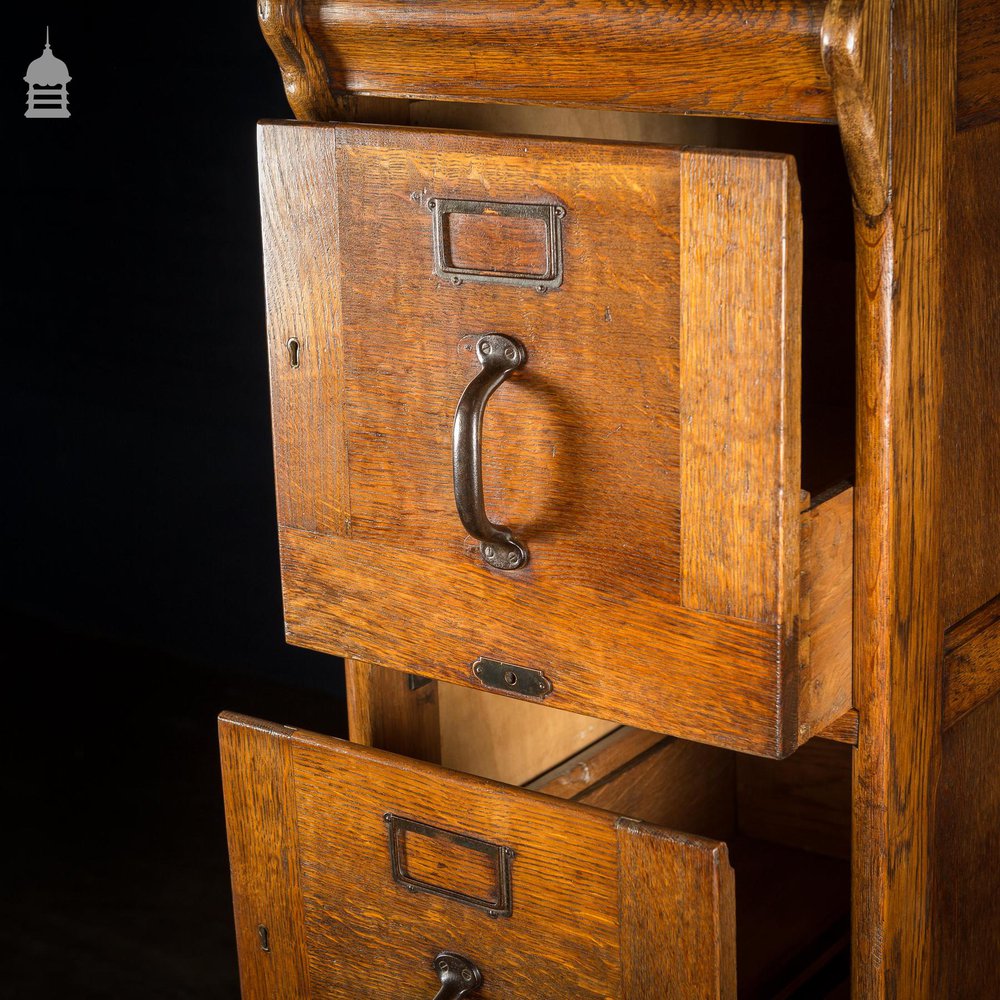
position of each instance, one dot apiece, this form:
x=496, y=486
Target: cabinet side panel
x=978, y=98
x=968, y=878
x=897, y=621
x=971, y=417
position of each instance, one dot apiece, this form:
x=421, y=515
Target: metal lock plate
x=510, y=679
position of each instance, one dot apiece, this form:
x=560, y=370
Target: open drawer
x=624, y=534
x=354, y=869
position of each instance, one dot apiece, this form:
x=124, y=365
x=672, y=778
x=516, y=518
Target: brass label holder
x=499, y=903
x=551, y=276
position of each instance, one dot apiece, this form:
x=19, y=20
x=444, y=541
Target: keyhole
x=293, y=352
x=265, y=942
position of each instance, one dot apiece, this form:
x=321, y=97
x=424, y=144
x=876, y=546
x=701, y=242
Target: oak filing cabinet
x=634, y=373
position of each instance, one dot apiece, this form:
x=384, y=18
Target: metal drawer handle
x=459, y=977
x=499, y=356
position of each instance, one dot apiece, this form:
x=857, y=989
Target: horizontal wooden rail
x=703, y=57
x=709, y=57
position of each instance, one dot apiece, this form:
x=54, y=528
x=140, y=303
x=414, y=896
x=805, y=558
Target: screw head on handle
x=460, y=977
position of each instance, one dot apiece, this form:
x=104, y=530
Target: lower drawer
x=355, y=869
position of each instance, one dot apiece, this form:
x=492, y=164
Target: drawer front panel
x=646, y=453
x=554, y=434
x=599, y=907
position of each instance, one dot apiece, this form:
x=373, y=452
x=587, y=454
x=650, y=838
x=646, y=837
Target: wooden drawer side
x=826, y=613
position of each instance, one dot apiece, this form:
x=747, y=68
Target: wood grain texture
x=825, y=612
x=363, y=697
x=709, y=57
x=898, y=622
x=299, y=195
x=981, y=620
x=972, y=664
x=672, y=943
x=494, y=244
x=594, y=763
x=971, y=405
x=740, y=300
x=967, y=918
x=978, y=86
x=804, y=801
x=844, y=729
x=887, y=944
x=384, y=711
x=855, y=40
x=335, y=601
x=676, y=784
x=554, y=434
x=567, y=926
x=261, y=822
x=449, y=864
x=566, y=914
x=604, y=534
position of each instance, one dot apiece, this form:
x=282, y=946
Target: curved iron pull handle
x=499, y=356
x=459, y=977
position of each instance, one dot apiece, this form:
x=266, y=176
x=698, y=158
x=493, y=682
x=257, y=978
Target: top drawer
x=644, y=449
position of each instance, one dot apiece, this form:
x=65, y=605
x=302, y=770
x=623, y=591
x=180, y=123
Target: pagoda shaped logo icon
x=47, y=78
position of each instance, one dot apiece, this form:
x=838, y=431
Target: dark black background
x=141, y=590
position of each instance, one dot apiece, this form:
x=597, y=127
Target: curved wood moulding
x=846, y=41
x=710, y=57
x=307, y=83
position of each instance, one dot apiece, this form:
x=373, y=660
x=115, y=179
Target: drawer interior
x=786, y=823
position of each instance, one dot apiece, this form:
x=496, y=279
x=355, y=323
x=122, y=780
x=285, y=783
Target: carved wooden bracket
x=853, y=32
x=307, y=82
